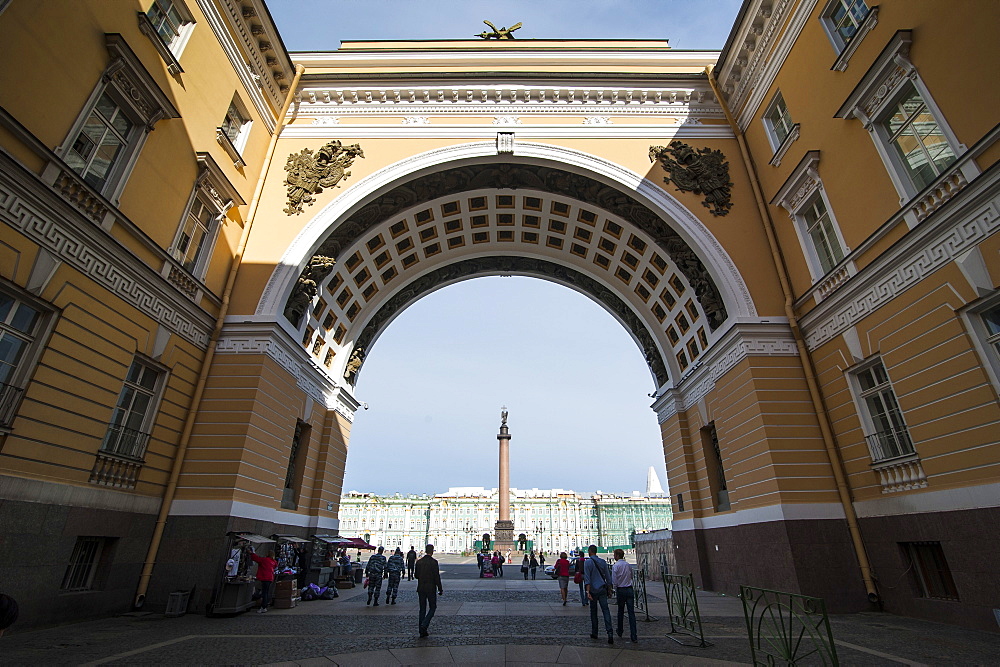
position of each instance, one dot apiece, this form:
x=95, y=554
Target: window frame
x=74, y=563
x=199, y=267
x=170, y=50
x=19, y=379
x=127, y=83
x=773, y=134
x=148, y=418
x=838, y=41
x=873, y=99
x=987, y=345
x=235, y=147
x=804, y=187
x=868, y=425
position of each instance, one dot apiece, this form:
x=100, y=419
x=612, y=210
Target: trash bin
x=359, y=573
x=177, y=603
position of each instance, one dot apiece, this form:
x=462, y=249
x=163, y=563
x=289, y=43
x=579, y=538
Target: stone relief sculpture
x=703, y=172
x=354, y=364
x=316, y=271
x=308, y=174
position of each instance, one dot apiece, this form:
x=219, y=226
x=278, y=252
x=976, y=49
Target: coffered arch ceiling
x=510, y=216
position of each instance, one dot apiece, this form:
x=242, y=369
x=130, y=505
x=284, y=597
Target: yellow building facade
x=204, y=235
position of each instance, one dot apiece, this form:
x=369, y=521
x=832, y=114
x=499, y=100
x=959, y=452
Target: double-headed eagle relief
x=308, y=174
x=703, y=172
x=499, y=33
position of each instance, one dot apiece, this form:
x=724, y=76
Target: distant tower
x=653, y=483
x=504, y=528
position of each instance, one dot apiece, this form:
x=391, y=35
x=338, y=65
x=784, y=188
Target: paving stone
x=365, y=658
x=425, y=655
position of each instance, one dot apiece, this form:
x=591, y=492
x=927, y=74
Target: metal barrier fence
x=682, y=602
x=641, y=597
x=787, y=628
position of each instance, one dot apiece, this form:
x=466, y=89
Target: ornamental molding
x=800, y=184
x=742, y=340
x=48, y=220
x=867, y=25
x=439, y=130
x=881, y=81
x=266, y=338
x=597, y=120
x=135, y=84
x=961, y=224
x=408, y=120
x=506, y=120
x=727, y=277
x=328, y=120
x=779, y=153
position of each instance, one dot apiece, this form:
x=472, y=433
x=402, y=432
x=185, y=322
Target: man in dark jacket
x=411, y=561
x=428, y=587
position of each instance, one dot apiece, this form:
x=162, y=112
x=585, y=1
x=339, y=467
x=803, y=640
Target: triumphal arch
x=606, y=167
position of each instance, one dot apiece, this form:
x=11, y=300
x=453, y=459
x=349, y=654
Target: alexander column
x=504, y=529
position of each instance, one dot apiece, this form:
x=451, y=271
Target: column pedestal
x=504, y=535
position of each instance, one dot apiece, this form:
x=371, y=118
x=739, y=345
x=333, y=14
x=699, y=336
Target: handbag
x=578, y=578
x=364, y=584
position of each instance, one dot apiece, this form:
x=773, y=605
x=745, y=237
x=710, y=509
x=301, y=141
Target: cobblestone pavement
x=482, y=621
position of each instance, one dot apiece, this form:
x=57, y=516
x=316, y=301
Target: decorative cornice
x=800, y=184
x=779, y=154
x=271, y=340
x=138, y=88
x=742, y=340
x=880, y=81
x=963, y=222
x=44, y=216
x=441, y=130
x=147, y=28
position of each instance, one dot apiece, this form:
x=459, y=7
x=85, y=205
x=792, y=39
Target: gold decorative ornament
x=499, y=33
x=308, y=174
x=703, y=172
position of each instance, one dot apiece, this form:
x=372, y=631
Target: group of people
x=531, y=564
x=491, y=565
x=425, y=570
x=596, y=582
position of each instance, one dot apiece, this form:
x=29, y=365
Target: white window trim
x=149, y=420
x=212, y=188
x=43, y=328
x=132, y=87
x=234, y=149
x=801, y=188
x=846, y=49
x=867, y=425
x=772, y=135
x=877, y=91
x=972, y=318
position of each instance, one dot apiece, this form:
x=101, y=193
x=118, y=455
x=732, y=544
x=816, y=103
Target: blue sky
x=574, y=382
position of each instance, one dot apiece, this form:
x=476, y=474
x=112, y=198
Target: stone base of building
x=809, y=557
x=39, y=542
x=815, y=557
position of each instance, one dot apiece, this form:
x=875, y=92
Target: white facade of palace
x=551, y=519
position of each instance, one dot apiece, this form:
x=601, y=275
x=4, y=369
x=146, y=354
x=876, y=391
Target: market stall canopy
x=250, y=537
x=289, y=538
x=335, y=541
x=358, y=543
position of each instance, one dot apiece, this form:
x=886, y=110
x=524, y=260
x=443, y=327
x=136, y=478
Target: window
x=714, y=468
x=821, y=232
x=128, y=433
x=166, y=20
x=168, y=25
x=19, y=326
x=196, y=231
x=296, y=466
x=930, y=568
x=778, y=122
x=920, y=146
x=842, y=18
x=983, y=321
x=98, y=149
x=83, y=564
x=804, y=197
x=888, y=437
x=105, y=141
x=234, y=131
x=908, y=130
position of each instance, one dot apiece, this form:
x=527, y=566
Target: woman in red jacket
x=562, y=574
x=265, y=575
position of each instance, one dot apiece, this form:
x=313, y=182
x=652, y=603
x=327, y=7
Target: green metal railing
x=682, y=601
x=787, y=628
x=639, y=588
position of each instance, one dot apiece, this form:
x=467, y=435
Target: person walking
x=374, y=571
x=428, y=588
x=524, y=567
x=541, y=560
x=394, y=569
x=499, y=565
x=265, y=575
x=533, y=564
x=495, y=561
x=411, y=560
x=621, y=577
x=578, y=578
x=597, y=580
x=562, y=574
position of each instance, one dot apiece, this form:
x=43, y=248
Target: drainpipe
x=175, y=472
x=833, y=453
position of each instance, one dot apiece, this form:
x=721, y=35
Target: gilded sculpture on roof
x=499, y=33
x=703, y=172
x=309, y=173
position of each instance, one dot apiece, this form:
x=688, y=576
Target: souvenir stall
x=323, y=566
x=236, y=587
x=293, y=565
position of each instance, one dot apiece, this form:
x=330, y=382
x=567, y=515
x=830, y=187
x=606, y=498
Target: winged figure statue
x=499, y=33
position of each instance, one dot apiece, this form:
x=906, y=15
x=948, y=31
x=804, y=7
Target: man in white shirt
x=621, y=577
